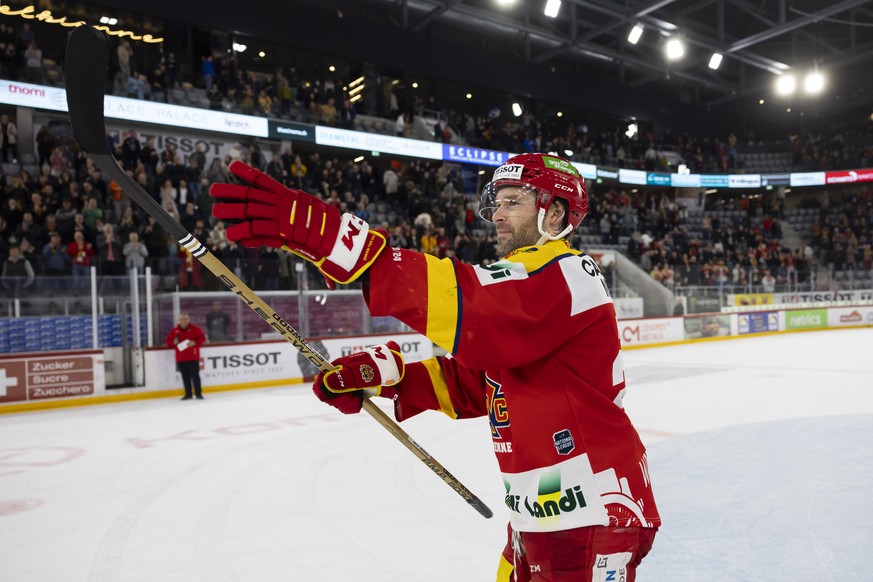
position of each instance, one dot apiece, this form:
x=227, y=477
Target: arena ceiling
x=586, y=48
x=758, y=39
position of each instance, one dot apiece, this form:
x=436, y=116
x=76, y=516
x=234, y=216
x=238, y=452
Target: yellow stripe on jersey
x=440, y=388
x=504, y=570
x=442, y=302
x=535, y=258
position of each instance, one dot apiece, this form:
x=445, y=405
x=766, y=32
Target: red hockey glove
x=376, y=371
x=342, y=246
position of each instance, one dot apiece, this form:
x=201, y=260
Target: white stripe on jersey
x=586, y=283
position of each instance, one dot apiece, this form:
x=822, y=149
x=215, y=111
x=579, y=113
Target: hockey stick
x=87, y=63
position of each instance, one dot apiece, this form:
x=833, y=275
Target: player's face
x=515, y=217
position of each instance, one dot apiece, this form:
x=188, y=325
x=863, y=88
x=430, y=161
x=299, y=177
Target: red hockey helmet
x=547, y=177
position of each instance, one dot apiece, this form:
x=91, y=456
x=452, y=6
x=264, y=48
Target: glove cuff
x=353, y=252
x=374, y=368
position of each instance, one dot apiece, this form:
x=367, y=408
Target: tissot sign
x=38, y=378
x=243, y=363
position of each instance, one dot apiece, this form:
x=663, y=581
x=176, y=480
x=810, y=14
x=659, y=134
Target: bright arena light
x=715, y=61
x=675, y=49
x=516, y=109
x=552, y=8
x=786, y=84
x=635, y=34
x=632, y=130
x=814, y=83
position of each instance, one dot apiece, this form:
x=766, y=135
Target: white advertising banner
x=374, y=142
x=269, y=361
x=628, y=307
x=808, y=179
x=744, y=181
x=632, y=177
x=651, y=331
x=178, y=116
x=55, y=99
x=843, y=316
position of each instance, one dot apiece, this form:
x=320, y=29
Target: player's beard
x=523, y=235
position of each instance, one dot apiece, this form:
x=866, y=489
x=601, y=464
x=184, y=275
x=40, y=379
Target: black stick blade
x=87, y=63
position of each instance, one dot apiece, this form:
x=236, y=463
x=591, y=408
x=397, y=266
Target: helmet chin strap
x=544, y=236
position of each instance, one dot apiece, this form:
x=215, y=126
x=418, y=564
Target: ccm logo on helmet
x=562, y=187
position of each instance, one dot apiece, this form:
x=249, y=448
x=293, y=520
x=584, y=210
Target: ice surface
x=760, y=452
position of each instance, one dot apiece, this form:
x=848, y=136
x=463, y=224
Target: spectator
x=157, y=83
x=45, y=143
x=135, y=253
x=186, y=339
x=171, y=71
x=391, y=181
x=8, y=140
x=17, y=271
x=28, y=230
x=92, y=213
x=64, y=218
x=56, y=261
x=58, y=162
x=190, y=217
x=111, y=260
x=131, y=150
x=124, y=53
x=217, y=323
x=216, y=99
x=190, y=274
x=768, y=282
x=137, y=84
x=81, y=253
x=34, y=71
x=207, y=69
x=217, y=240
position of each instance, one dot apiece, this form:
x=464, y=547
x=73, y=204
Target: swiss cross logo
x=6, y=382
x=12, y=382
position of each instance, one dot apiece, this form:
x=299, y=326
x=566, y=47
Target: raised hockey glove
x=342, y=246
x=375, y=372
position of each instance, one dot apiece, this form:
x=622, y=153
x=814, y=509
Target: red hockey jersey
x=533, y=343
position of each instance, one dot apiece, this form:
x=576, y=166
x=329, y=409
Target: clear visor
x=508, y=197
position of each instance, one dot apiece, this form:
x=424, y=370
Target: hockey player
x=533, y=344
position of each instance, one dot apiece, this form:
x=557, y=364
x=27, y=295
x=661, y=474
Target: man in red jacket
x=186, y=339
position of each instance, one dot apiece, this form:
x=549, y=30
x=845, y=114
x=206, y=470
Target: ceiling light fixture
x=715, y=61
x=786, y=84
x=552, y=8
x=516, y=109
x=635, y=34
x=675, y=49
x=814, y=83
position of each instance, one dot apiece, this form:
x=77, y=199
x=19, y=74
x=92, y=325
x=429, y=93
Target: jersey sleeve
x=441, y=383
x=509, y=314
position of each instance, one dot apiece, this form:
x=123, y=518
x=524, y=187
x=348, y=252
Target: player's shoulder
x=535, y=258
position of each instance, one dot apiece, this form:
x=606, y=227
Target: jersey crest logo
x=498, y=414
